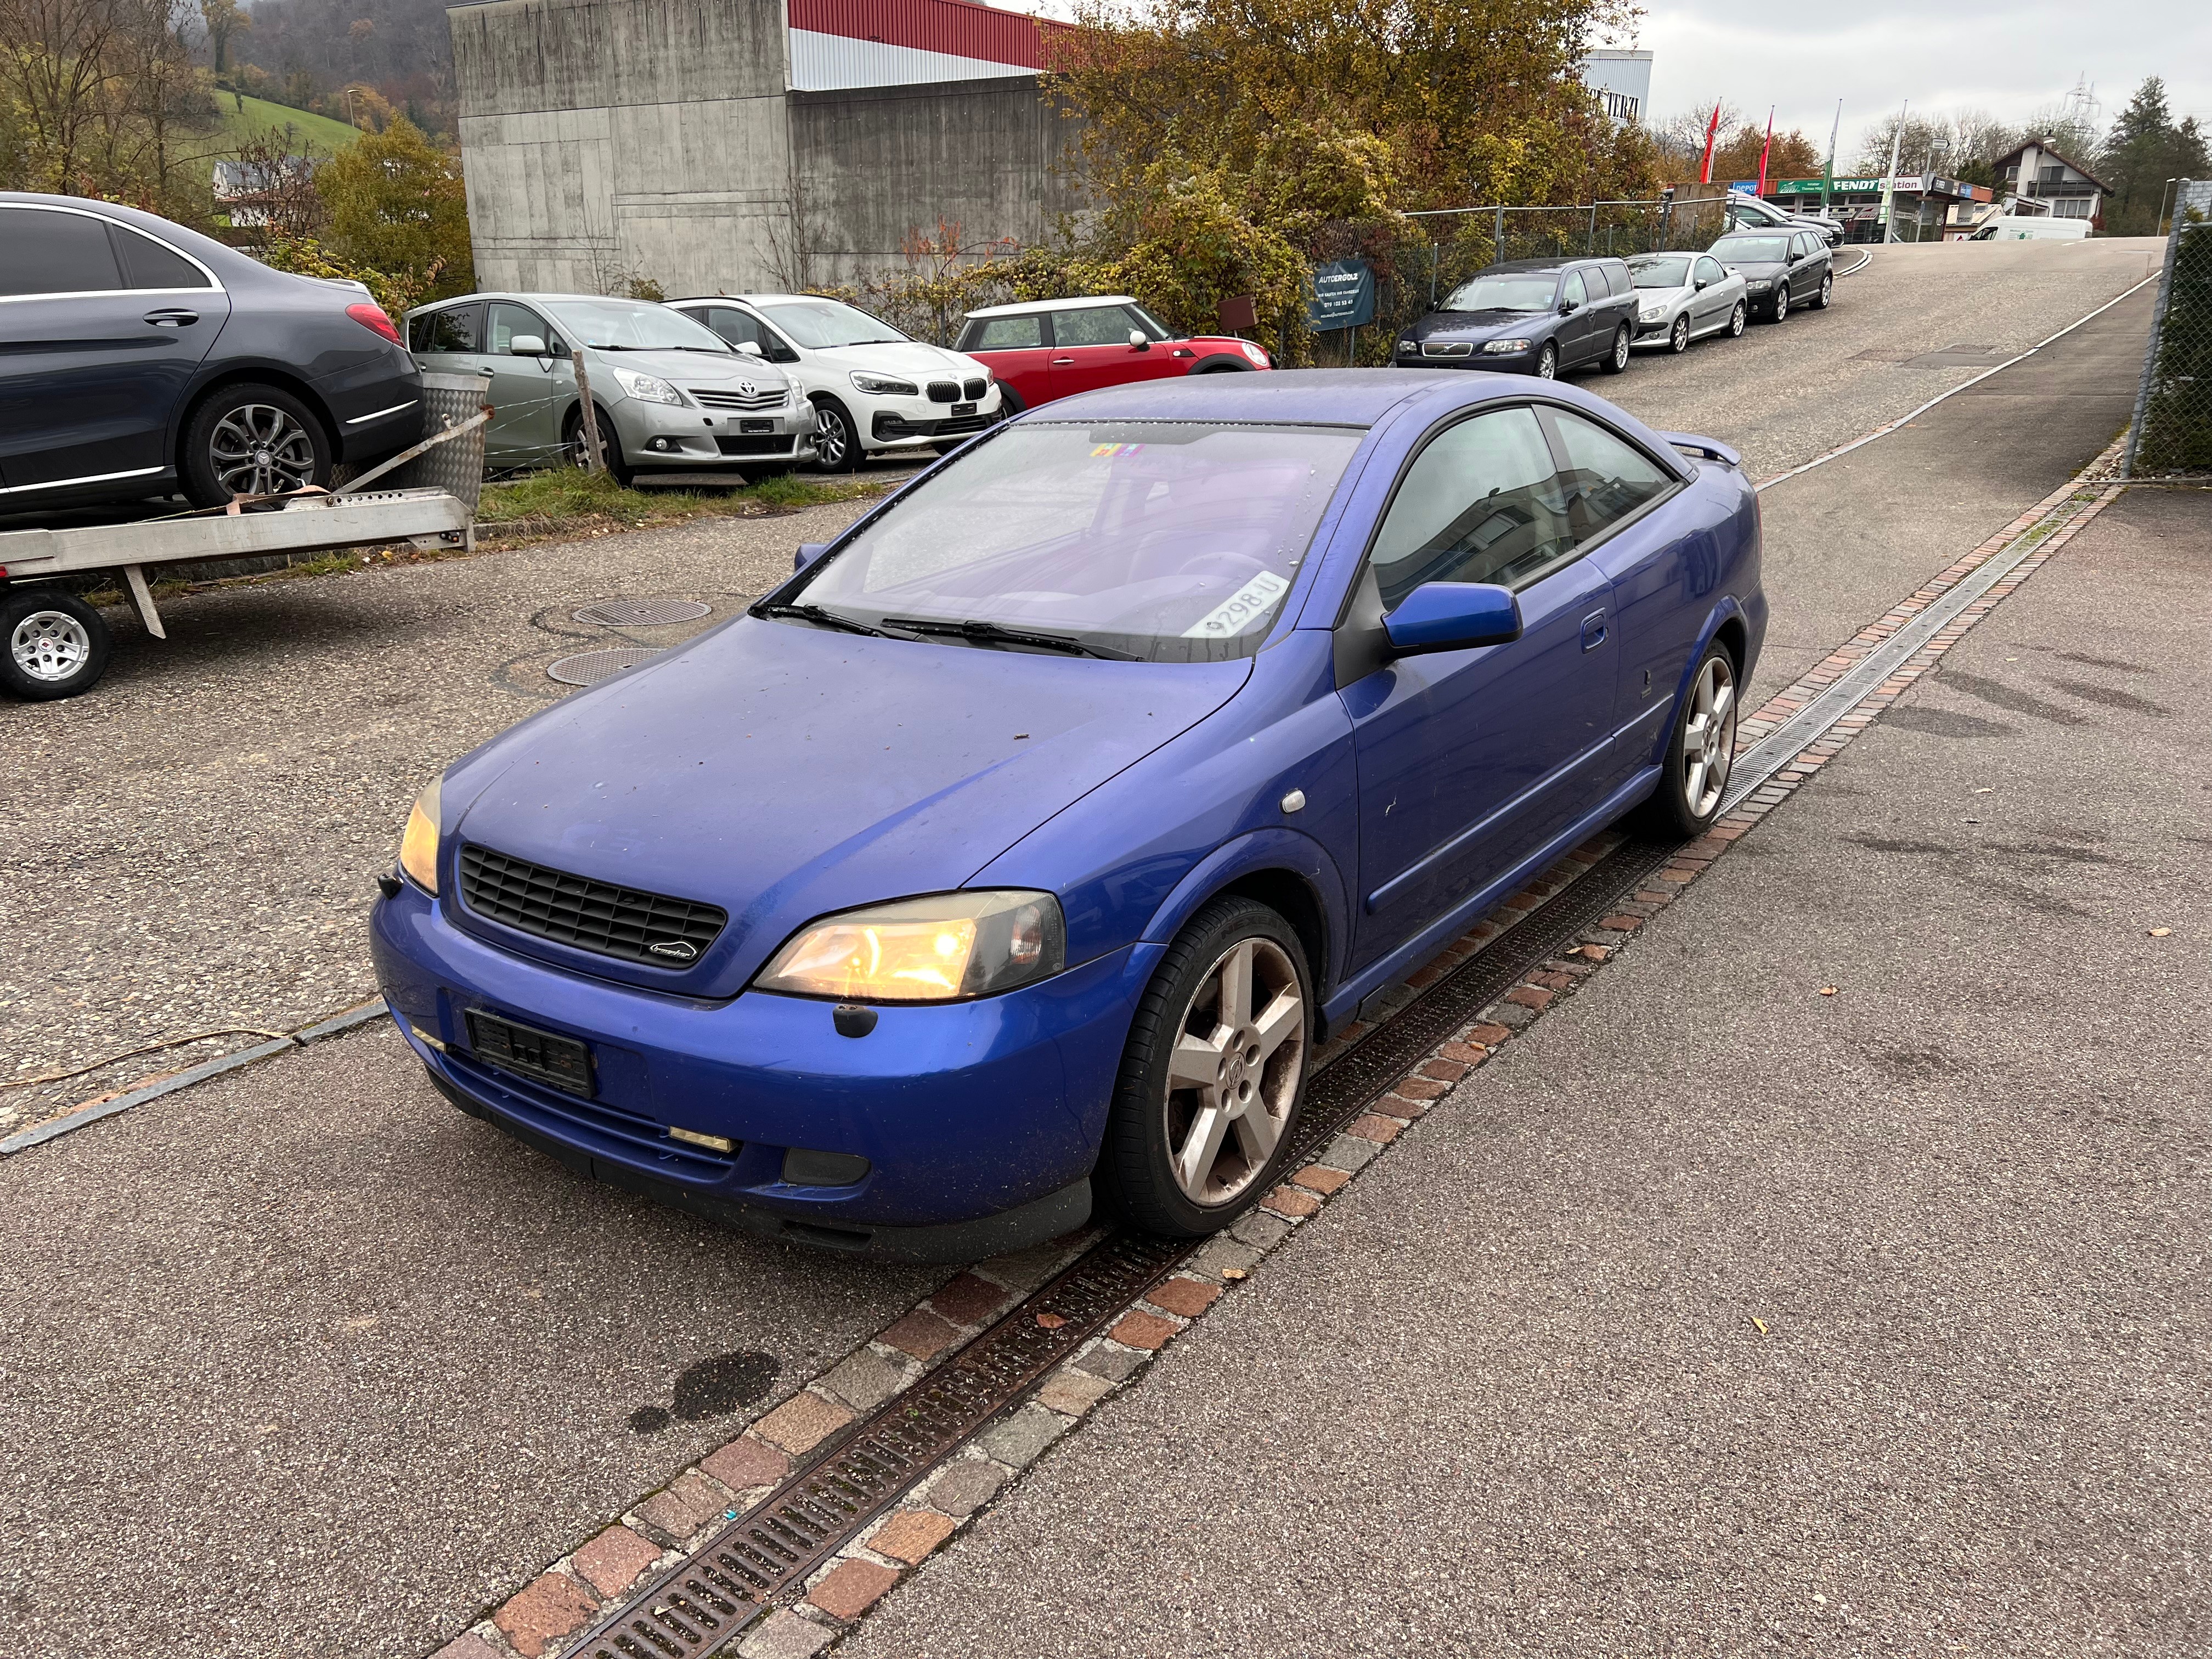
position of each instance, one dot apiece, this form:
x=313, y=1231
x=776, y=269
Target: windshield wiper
x=827, y=617
x=998, y=634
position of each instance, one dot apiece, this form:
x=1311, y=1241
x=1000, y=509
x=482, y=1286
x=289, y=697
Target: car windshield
x=1505, y=293
x=635, y=326
x=1169, y=541
x=1662, y=273
x=1752, y=250
x=820, y=324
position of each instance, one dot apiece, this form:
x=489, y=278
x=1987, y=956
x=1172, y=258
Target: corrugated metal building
x=745, y=144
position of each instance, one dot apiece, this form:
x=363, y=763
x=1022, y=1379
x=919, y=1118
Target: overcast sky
x=2011, y=57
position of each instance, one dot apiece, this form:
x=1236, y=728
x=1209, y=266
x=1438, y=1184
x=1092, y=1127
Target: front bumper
x=666, y=435
x=918, y=423
x=1498, y=362
x=980, y=1121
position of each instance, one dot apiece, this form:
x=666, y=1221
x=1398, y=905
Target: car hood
x=782, y=772
x=694, y=368
x=1476, y=325
x=1755, y=267
x=908, y=357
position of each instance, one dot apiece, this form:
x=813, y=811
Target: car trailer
x=54, y=645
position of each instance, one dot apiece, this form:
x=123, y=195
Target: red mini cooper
x=1049, y=348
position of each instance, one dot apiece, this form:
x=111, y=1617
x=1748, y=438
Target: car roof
x=1031, y=307
x=523, y=297
x=1547, y=267
x=1306, y=397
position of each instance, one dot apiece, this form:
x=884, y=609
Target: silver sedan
x=1681, y=297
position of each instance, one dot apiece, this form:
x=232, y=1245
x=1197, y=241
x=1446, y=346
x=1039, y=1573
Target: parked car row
x=1545, y=317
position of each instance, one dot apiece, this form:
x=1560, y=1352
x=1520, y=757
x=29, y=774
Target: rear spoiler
x=1691, y=444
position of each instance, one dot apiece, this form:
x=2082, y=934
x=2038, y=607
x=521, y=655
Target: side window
x=1616, y=279
x=1101, y=325
x=738, y=326
x=1573, y=292
x=1709, y=269
x=1480, y=504
x=148, y=264
x=43, y=252
x=1008, y=334
x=455, y=329
x=508, y=320
x=1605, y=477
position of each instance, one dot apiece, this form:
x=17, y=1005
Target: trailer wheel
x=53, y=645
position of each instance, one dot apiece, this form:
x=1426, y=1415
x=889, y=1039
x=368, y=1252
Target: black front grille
x=592, y=915
x=769, y=444
x=943, y=392
x=974, y=388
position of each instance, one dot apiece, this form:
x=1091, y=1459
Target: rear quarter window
x=456, y=330
x=43, y=251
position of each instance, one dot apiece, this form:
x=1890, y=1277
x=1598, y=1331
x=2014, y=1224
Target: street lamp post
x=2163, y=189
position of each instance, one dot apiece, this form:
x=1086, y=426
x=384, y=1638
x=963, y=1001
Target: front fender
x=1273, y=848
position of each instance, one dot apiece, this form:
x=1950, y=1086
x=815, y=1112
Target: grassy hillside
x=259, y=115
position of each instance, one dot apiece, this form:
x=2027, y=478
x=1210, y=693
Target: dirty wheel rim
x=1679, y=336
x=258, y=449
x=1233, y=1075
x=1547, y=364
x=49, y=645
x=830, y=439
x=1709, y=738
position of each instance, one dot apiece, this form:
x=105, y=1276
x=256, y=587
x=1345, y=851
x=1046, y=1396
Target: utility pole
x=1828, y=173
x=1888, y=184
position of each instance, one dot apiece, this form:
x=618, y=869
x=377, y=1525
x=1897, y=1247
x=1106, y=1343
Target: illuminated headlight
x=943, y=949
x=882, y=385
x=1254, y=353
x=1500, y=348
x=647, y=388
x=1759, y=287
x=418, y=847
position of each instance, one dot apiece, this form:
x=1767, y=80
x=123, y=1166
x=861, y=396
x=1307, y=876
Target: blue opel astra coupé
x=1017, y=852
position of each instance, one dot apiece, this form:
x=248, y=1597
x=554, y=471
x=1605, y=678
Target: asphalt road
x=207, y=827
x=199, y=835
x=1510, y=1398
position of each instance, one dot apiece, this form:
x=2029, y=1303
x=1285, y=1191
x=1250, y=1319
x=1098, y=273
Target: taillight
x=372, y=318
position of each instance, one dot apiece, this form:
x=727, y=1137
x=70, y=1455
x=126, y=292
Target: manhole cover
x=643, y=613
x=592, y=666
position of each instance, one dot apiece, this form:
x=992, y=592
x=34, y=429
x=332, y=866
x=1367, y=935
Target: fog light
x=803, y=1167
x=712, y=1142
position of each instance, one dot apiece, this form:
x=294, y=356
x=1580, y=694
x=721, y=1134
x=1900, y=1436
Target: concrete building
x=743, y=144
x=1622, y=79
x=2038, y=180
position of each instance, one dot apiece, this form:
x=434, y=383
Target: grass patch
x=238, y=125
x=565, y=502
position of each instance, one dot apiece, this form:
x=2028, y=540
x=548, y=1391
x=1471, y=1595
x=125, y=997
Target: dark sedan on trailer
x=1017, y=852
x=1541, y=316
x=138, y=357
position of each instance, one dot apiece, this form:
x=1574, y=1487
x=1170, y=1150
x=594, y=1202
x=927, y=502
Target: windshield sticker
x=1107, y=452
x=1241, y=609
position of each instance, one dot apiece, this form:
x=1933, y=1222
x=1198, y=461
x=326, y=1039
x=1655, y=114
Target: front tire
x=53, y=645
x=1700, y=755
x=1677, y=338
x=252, y=439
x=1737, y=318
x=1213, y=1077
x=1548, y=363
x=1617, y=359
x=572, y=445
x=836, y=441
x=1778, y=307
x=1827, y=293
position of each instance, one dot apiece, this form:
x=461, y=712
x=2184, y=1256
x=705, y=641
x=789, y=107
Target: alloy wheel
x=1736, y=320
x=1547, y=363
x=258, y=449
x=1782, y=300
x=1677, y=338
x=1620, y=350
x=830, y=438
x=50, y=644
x=1709, y=738
x=1234, y=1074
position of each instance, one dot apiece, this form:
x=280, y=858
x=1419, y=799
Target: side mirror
x=749, y=348
x=1140, y=341
x=526, y=346
x=1453, y=616
x=808, y=552
x=1566, y=307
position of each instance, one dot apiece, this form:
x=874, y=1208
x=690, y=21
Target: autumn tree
x=397, y=204
x=1735, y=155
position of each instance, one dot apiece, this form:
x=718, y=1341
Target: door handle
x=1594, y=630
x=175, y=318
x=1063, y=363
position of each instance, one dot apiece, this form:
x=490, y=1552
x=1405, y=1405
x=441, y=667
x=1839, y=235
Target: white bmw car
x=873, y=389
x=1681, y=297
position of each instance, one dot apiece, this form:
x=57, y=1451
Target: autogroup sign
x=1343, y=295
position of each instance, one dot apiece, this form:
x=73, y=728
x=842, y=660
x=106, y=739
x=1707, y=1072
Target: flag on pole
x=1705, y=167
x=1765, y=149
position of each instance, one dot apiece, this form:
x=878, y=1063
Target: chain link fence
x=1419, y=260
x=2171, y=435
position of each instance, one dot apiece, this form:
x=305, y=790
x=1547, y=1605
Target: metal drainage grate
x=643, y=613
x=699, y=1606
x=592, y=666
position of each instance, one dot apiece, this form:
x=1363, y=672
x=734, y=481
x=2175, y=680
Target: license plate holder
x=560, y=1062
x=755, y=426
x=963, y=409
